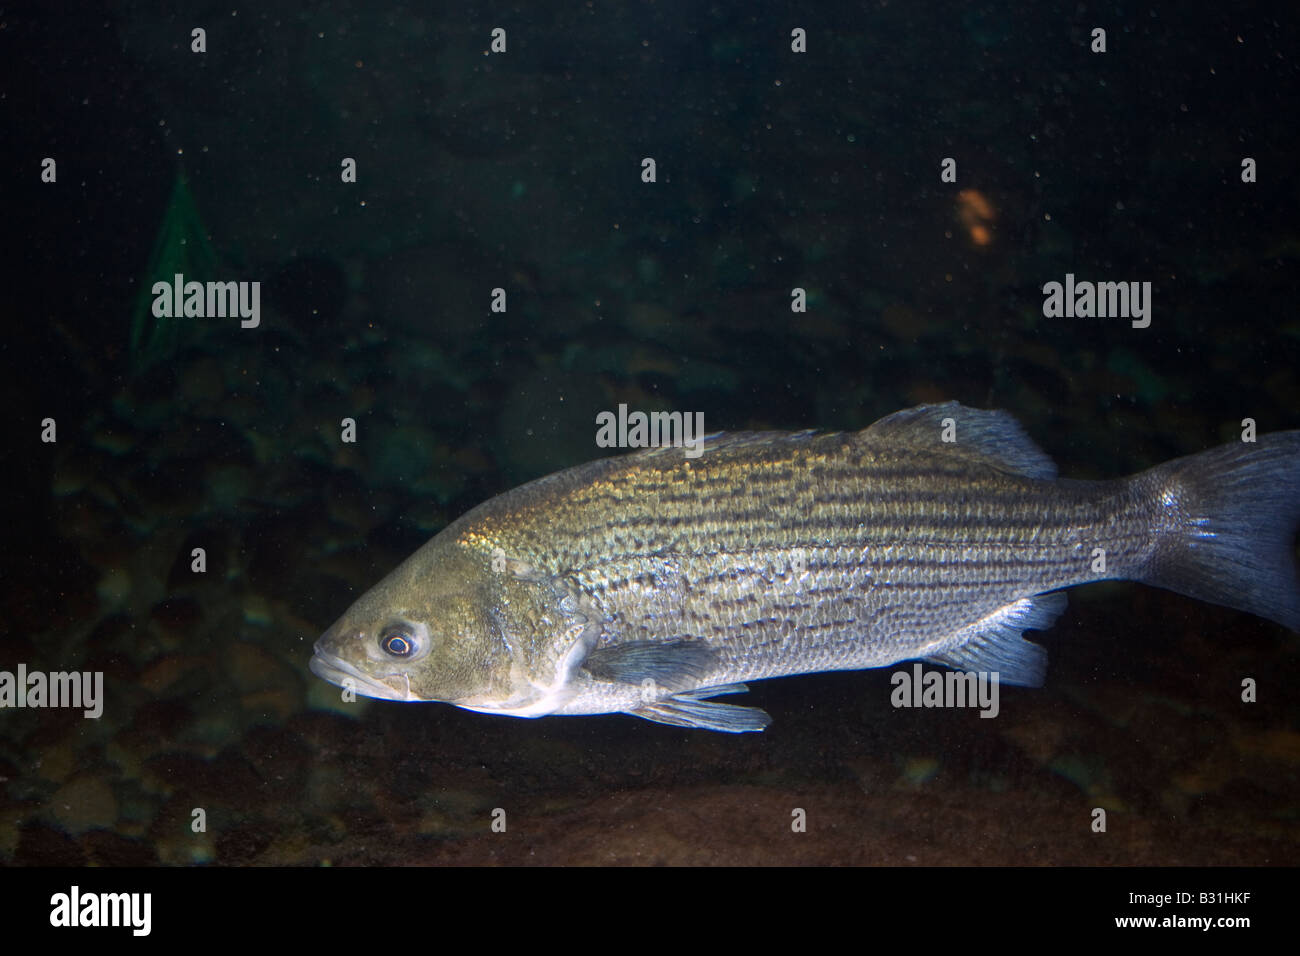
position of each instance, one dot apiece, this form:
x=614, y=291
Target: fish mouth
x=336, y=670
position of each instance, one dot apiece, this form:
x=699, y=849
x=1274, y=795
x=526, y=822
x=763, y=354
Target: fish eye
x=398, y=640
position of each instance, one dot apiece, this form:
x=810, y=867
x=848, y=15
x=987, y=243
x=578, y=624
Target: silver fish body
x=654, y=583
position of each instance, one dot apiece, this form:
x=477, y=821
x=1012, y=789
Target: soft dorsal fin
x=992, y=436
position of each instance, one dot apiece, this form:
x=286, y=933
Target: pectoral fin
x=676, y=665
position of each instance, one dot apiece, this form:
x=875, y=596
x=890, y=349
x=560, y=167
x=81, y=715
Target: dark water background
x=522, y=171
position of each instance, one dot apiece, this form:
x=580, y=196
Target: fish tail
x=1226, y=526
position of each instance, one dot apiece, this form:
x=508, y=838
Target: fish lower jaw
x=339, y=672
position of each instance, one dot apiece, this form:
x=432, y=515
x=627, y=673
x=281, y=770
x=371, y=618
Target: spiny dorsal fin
x=991, y=436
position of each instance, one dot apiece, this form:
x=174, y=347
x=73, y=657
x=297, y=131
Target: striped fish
x=653, y=583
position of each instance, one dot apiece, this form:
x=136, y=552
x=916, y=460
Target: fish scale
x=652, y=583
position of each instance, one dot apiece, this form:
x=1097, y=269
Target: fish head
x=458, y=625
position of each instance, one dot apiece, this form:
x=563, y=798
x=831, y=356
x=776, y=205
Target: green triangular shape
x=181, y=246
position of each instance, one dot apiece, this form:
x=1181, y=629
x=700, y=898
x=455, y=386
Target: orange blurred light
x=977, y=216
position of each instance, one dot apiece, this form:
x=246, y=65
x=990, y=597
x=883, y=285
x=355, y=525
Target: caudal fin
x=1228, y=521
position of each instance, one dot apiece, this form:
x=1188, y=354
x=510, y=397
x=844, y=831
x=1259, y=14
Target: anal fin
x=995, y=642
